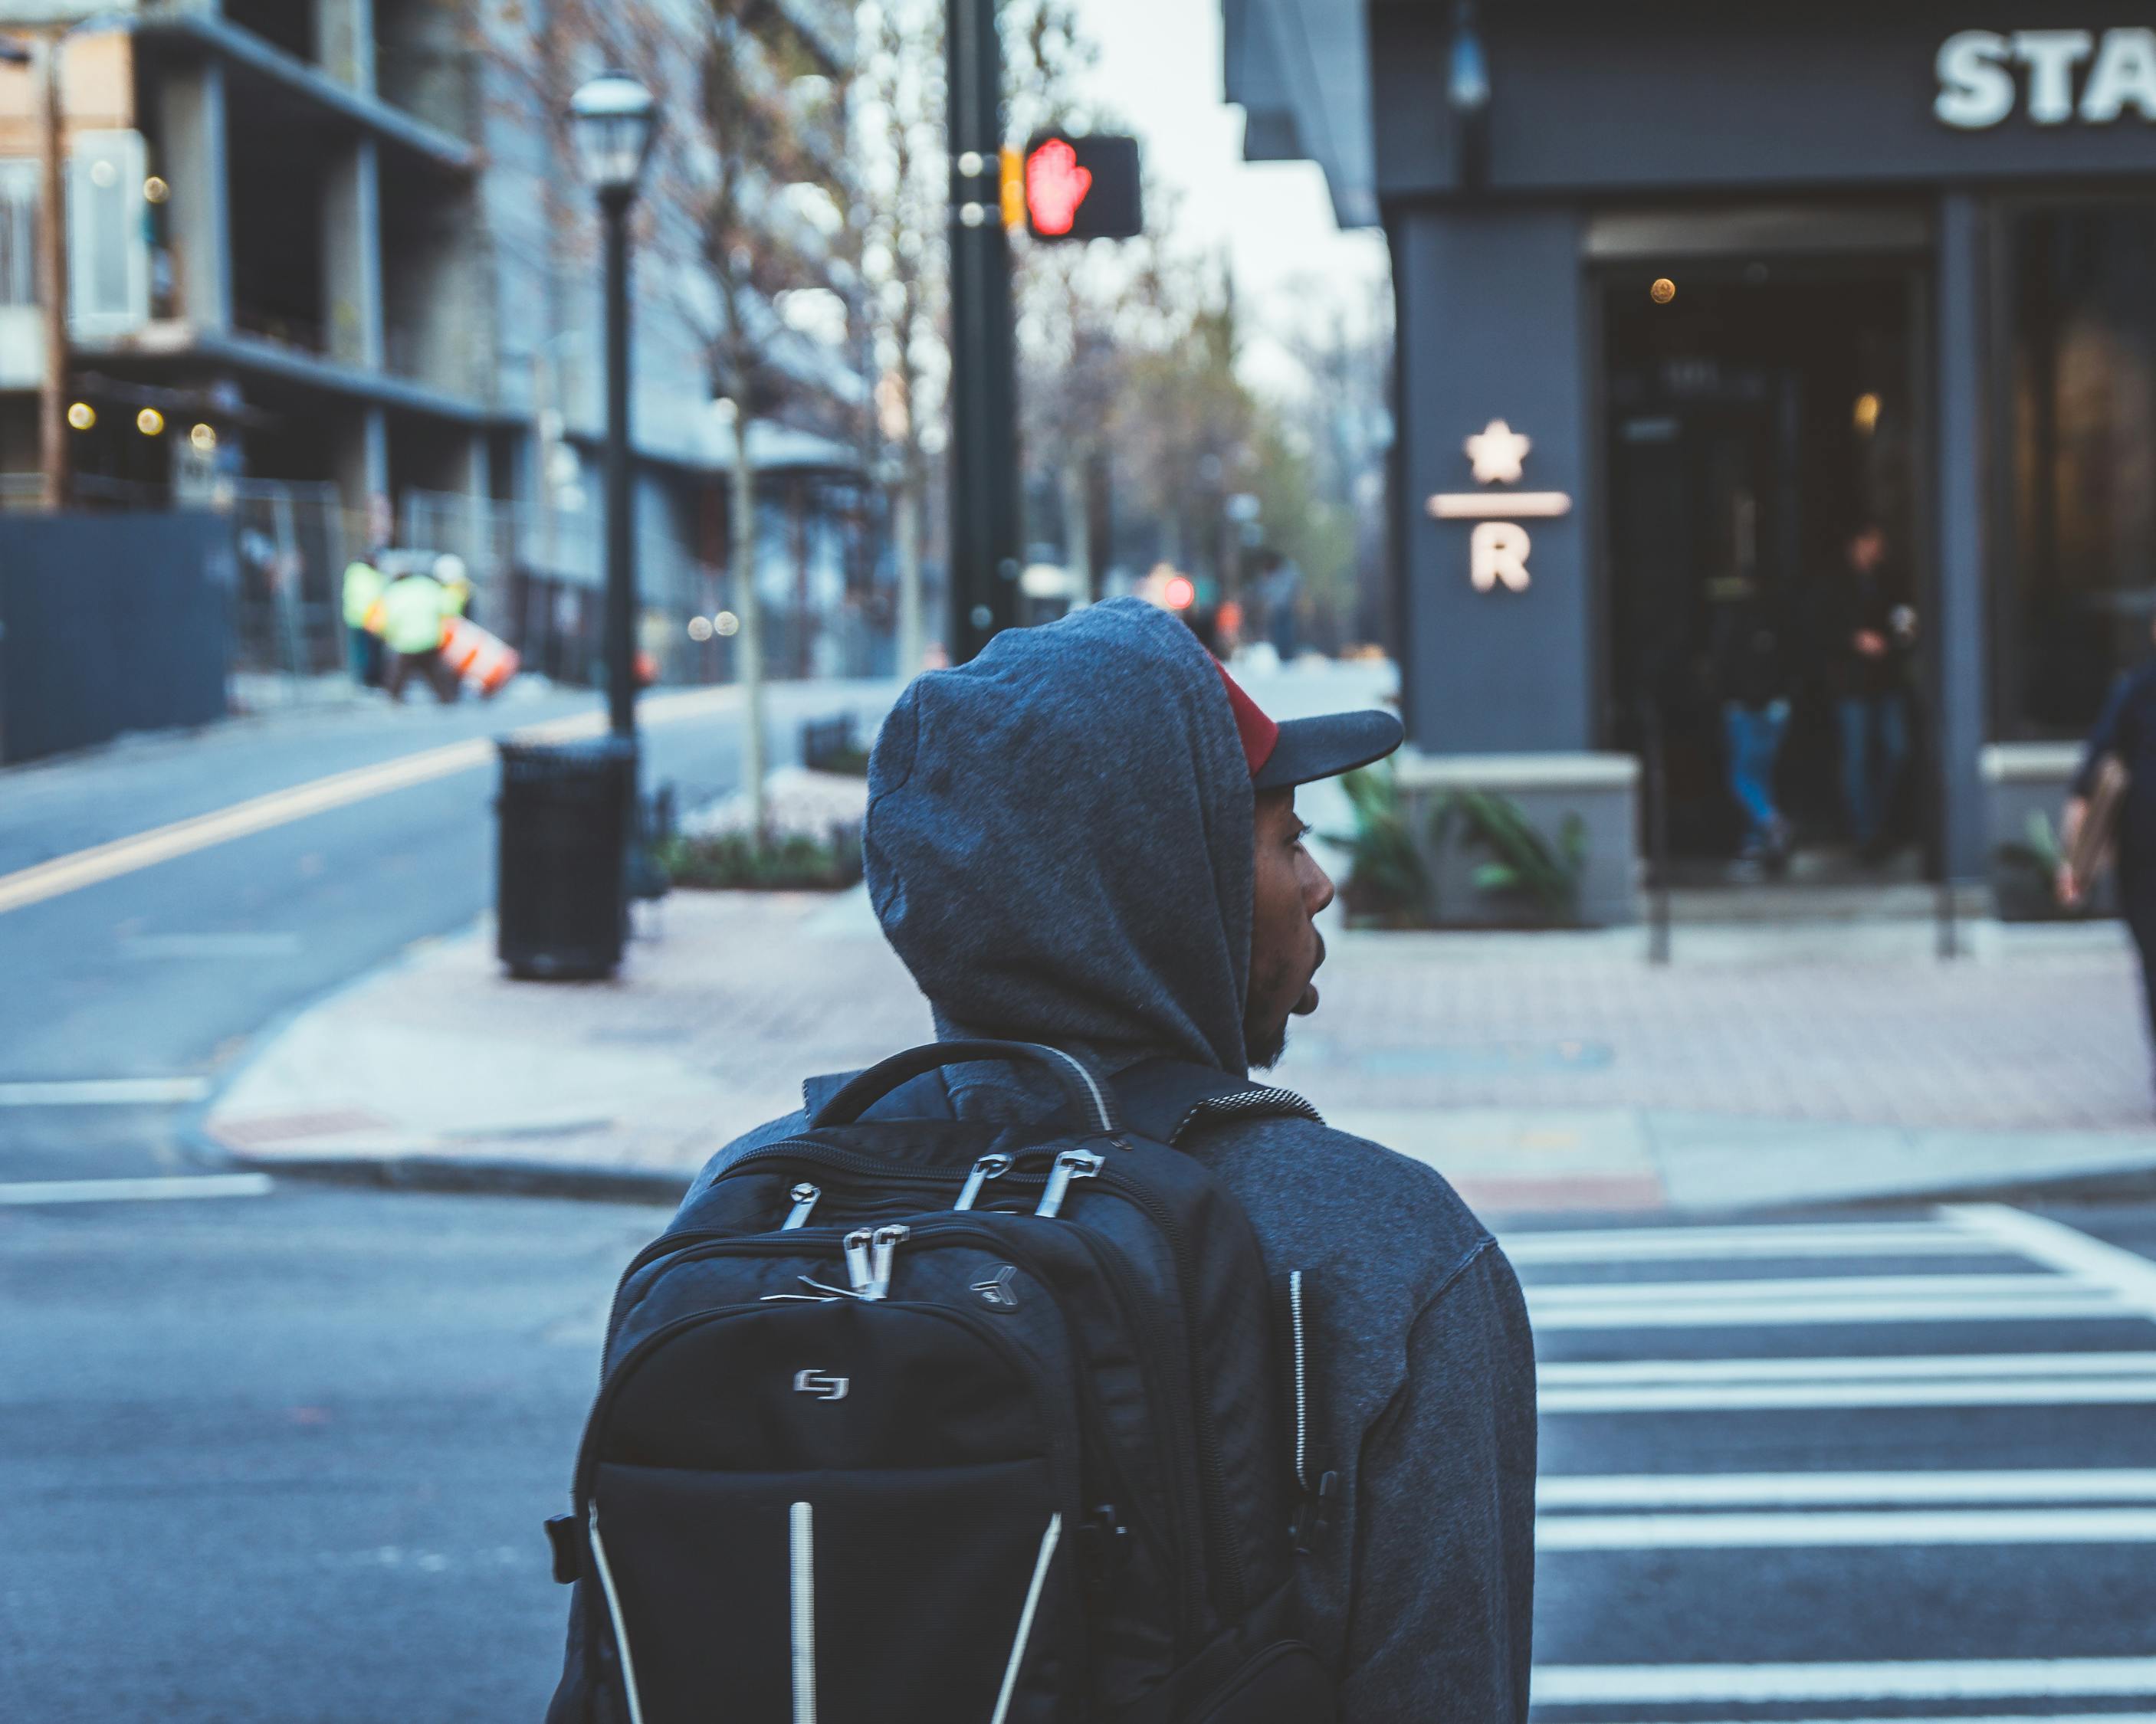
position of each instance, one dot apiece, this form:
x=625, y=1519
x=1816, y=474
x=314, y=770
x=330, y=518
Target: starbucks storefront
x=1699, y=308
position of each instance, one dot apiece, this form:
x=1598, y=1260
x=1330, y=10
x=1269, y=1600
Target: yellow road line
x=281, y=808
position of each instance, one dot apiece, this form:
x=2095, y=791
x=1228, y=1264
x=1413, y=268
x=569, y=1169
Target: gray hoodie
x=1061, y=848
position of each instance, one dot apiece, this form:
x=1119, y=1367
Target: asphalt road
x=285, y=1458
x=171, y=972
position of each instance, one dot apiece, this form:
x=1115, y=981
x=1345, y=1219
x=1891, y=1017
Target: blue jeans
x=1875, y=746
x=1755, y=743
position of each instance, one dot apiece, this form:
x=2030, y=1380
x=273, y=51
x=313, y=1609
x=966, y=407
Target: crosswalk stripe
x=1671, y=1245
x=1587, y=1490
x=1769, y=1684
x=2127, y=1277
x=1888, y=1365
x=1802, y=1529
x=2068, y=1304
x=134, y=1191
x=1794, y=1397
x=104, y=1092
x=1855, y=1288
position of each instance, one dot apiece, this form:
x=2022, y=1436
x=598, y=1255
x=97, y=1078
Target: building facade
x=341, y=248
x=1688, y=296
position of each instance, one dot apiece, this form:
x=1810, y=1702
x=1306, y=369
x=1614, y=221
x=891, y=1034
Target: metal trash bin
x=564, y=814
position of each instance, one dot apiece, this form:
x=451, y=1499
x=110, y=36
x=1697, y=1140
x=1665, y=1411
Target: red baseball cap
x=1300, y=750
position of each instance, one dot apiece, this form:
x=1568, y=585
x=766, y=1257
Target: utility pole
x=984, y=515
x=620, y=492
x=53, y=454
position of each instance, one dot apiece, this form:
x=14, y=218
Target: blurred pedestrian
x=1087, y=837
x=2102, y=814
x=363, y=582
x=450, y=571
x=412, y=608
x=1751, y=676
x=1871, y=632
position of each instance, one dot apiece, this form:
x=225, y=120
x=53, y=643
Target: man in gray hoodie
x=1087, y=837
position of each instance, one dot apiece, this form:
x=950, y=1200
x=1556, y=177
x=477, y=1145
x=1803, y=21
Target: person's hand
x=2066, y=887
x=1870, y=643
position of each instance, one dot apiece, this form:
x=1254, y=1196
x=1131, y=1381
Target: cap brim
x=1312, y=748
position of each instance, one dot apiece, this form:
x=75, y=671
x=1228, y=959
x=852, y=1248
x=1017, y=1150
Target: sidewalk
x=1544, y=1072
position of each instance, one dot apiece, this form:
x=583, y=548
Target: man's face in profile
x=1289, y=891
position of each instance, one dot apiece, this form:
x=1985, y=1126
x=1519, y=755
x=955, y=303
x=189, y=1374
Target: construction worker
x=363, y=588
x=456, y=583
x=413, y=609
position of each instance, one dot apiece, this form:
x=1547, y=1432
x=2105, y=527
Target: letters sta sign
x=2092, y=77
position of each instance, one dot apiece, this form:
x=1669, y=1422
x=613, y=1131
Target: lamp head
x=612, y=119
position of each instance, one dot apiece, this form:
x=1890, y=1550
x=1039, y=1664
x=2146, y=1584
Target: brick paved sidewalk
x=1539, y=1071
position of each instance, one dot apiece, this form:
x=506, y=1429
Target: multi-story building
x=340, y=248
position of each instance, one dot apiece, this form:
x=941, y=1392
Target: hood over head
x=1060, y=840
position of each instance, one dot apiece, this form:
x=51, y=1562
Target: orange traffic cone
x=478, y=656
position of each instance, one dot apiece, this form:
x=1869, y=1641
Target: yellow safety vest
x=363, y=586
x=412, y=610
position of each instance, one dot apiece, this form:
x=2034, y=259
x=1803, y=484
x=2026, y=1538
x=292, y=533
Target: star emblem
x=1498, y=451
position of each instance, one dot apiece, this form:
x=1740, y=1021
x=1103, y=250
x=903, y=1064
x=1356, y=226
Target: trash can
x=564, y=813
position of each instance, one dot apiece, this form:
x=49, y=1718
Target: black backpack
x=925, y=1421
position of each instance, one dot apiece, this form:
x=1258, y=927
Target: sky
x=1159, y=70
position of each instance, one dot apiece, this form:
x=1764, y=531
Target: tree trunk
x=912, y=646
x=748, y=645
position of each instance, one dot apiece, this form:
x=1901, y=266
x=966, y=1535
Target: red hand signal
x=1055, y=185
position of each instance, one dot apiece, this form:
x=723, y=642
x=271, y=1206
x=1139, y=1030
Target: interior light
x=1663, y=292
x=82, y=415
x=700, y=628
x=203, y=438
x=155, y=190
x=1864, y=414
x=726, y=624
x=150, y=422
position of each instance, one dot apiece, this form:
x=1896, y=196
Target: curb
x=507, y=1178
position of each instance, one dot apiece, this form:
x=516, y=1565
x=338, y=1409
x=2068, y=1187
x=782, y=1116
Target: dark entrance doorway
x=1754, y=423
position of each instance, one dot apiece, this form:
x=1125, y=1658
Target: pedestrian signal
x=1080, y=188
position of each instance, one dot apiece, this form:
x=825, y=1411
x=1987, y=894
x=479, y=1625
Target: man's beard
x=1263, y=1044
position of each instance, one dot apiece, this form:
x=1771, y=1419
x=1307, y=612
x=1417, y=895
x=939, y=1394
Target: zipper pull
x=989, y=1166
x=804, y=1198
x=857, y=1260
x=1071, y=1164
x=885, y=1248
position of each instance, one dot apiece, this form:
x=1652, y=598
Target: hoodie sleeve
x=1444, y=1555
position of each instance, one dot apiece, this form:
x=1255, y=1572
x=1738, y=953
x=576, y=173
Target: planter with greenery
x=785, y=862
x=1387, y=884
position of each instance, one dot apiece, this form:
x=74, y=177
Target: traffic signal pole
x=984, y=511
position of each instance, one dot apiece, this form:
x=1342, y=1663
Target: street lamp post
x=612, y=119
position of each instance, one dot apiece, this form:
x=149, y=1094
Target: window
x=18, y=233
x=2082, y=421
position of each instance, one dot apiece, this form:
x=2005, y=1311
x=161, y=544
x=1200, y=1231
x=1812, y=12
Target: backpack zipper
x=1213, y=1470
x=1301, y=1398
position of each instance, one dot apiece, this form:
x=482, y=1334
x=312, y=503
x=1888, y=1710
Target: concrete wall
x=1490, y=323
x=1600, y=791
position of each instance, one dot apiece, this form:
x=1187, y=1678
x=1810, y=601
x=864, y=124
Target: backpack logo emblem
x=996, y=1291
x=822, y=1384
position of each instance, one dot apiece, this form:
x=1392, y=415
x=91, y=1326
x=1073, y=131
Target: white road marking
x=1801, y=1529
x=2127, y=1276
x=1770, y=1684
x=1984, y=1718
x=1949, y=1380
x=104, y=1092
x=1581, y=1490
x=1815, y=1289
x=281, y=808
x=134, y=1191
x=1779, y=1303
x=1890, y=1366
x=1670, y=1245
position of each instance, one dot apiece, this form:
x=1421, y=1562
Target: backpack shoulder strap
x=1163, y=1099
